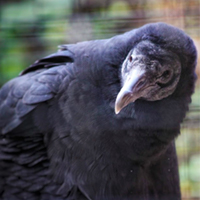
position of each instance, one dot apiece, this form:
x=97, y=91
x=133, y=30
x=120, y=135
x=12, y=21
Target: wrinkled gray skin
x=144, y=76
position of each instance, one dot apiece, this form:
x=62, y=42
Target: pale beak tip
x=117, y=108
x=117, y=111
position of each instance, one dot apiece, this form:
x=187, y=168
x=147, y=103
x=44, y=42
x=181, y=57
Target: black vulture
x=97, y=120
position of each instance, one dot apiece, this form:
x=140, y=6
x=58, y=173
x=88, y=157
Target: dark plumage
x=60, y=137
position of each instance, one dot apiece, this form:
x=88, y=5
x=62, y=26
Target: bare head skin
x=148, y=72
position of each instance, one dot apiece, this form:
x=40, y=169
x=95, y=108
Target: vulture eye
x=166, y=74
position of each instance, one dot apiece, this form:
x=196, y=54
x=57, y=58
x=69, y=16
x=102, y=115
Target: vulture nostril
x=130, y=59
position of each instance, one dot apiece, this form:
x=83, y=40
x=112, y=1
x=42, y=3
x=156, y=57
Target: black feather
x=52, y=60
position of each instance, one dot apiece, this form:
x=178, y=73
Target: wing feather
x=35, y=85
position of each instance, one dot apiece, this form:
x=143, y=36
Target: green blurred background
x=30, y=29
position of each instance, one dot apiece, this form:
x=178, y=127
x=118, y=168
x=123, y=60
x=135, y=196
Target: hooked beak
x=132, y=89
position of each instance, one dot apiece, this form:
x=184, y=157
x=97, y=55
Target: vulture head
x=148, y=72
x=160, y=63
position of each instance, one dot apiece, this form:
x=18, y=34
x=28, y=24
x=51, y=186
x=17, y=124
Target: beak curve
x=132, y=89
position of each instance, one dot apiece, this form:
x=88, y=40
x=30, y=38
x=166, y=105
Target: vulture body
x=97, y=120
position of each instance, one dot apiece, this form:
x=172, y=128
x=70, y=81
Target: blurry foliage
x=32, y=29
